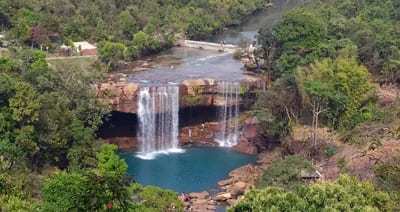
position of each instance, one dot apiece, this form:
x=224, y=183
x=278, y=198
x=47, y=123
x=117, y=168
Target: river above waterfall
x=195, y=170
x=264, y=18
x=178, y=63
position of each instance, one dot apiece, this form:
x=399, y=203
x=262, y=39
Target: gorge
x=202, y=106
x=180, y=98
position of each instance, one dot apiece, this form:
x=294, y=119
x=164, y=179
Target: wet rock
x=201, y=195
x=246, y=147
x=223, y=196
x=124, y=143
x=225, y=182
x=250, y=131
x=200, y=205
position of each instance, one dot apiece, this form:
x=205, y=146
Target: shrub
x=285, y=173
x=330, y=150
x=345, y=194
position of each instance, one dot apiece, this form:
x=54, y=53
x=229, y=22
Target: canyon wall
x=122, y=95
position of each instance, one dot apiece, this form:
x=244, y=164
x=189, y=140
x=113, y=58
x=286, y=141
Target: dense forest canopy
x=325, y=57
x=158, y=22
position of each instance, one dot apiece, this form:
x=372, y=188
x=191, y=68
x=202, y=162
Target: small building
x=65, y=50
x=1, y=44
x=310, y=177
x=85, y=49
x=2, y=39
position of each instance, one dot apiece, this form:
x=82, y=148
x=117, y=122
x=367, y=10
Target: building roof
x=307, y=174
x=84, y=45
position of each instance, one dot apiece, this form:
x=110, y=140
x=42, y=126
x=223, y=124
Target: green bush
x=345, y=194
x=330, y=150
x=285, y=173
x=387, y=177
x=111, y=53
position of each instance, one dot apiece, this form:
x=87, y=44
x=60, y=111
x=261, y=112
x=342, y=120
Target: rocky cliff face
x=250, y=139
x=122, y=95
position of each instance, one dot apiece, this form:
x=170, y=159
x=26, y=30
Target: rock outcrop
x=242, y=179
x=250, y=139
x=122, y=94
x=199, y=202
x=124, y=143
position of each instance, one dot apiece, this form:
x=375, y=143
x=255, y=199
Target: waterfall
x=228, y=114
x=158, y=108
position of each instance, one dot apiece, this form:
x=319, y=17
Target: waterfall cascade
x=158, y=108
x=229, y=113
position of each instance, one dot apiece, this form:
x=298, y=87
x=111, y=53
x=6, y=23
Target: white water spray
x=158, y=109
x=229, y=114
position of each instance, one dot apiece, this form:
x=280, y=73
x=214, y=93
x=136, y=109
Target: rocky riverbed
x=232, y=189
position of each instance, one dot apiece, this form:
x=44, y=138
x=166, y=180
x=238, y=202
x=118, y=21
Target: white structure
x=85, y=48
x=208, y=46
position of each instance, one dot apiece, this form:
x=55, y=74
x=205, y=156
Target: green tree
x=6, y=64
x=66, y=192
x=277, y=108
x=22, y=23
x=157, y=199
x=387, y=178
x=336, y=87
x=140, y=39
x=128, y=25
x=90, y=190
x=111, y=53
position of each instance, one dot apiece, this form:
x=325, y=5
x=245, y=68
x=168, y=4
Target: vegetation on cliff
x=325, y=57
x=48, y=122
x=285, y=173
x=325, y=64
x=345, y=194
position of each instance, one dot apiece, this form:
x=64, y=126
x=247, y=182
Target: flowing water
x=158, y=108
x=178, y=64
x=265, y=18
x=229, y=114
x=195, y=169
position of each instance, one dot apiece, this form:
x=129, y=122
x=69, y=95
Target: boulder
x=231, y=201
x=222, y=196
x=199, y=202
x=201, y=195
x=225, y=182
x=199, y=205
x=240, y=186
x=246, y=147
x=250, y=131
x=211, y=207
